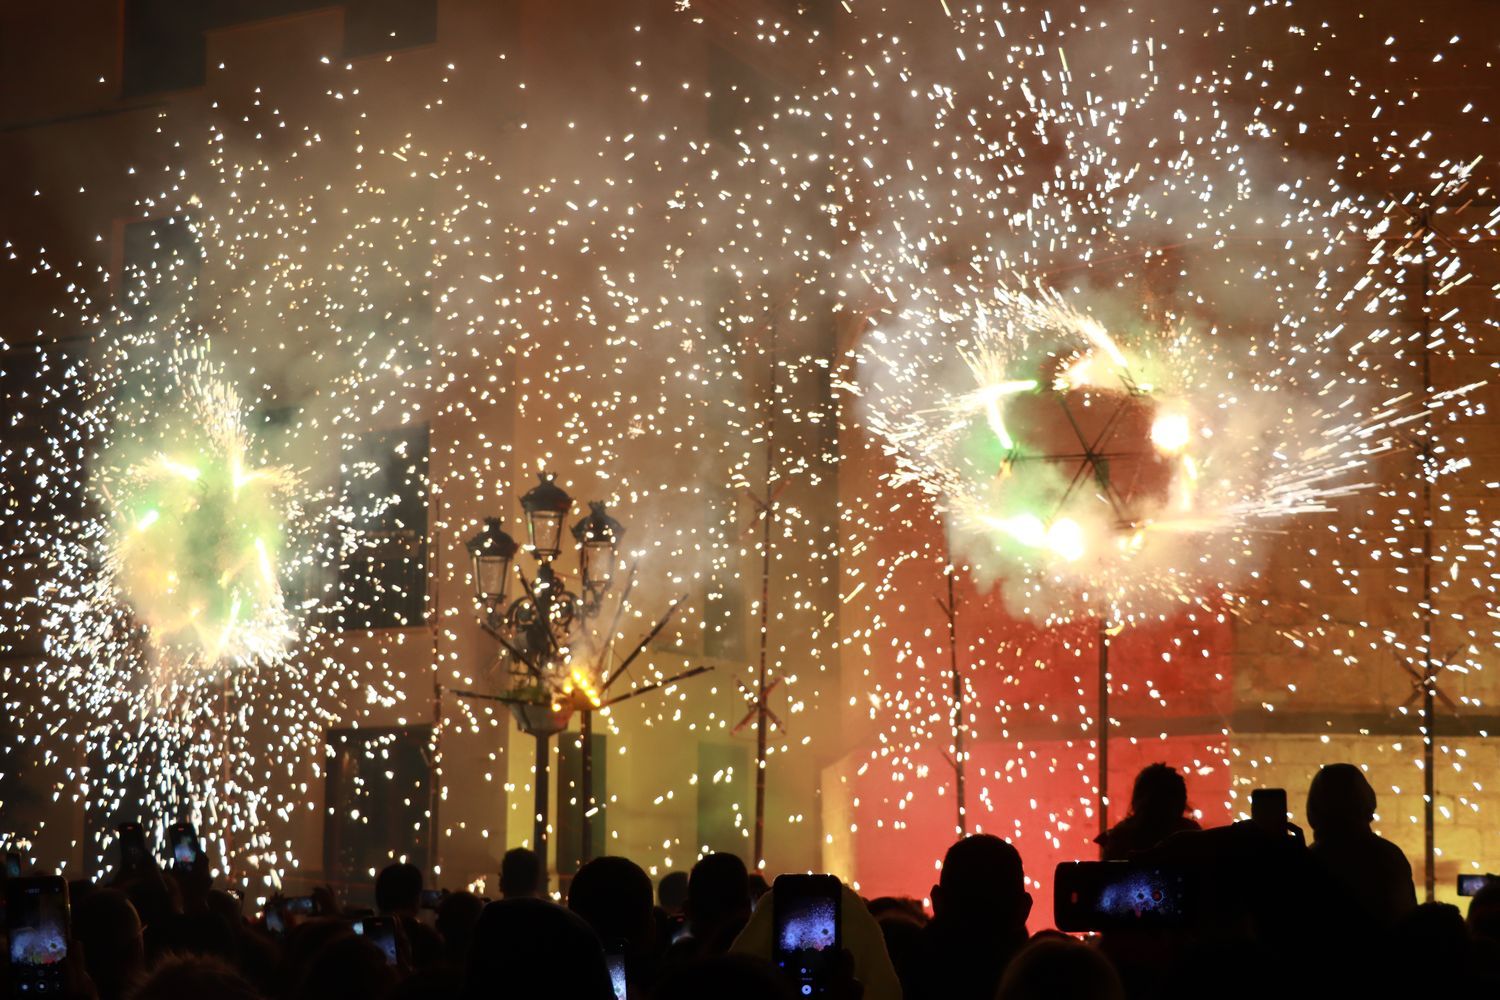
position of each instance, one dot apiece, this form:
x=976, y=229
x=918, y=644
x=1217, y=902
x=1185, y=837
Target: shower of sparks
x=839, y=321
x=196, y=530
x=1077, y=200
x=1118, y=480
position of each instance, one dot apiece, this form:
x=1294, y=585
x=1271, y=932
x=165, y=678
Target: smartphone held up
x=186, y=851
x=1110, y=895
x=36, y=925
x=381, y=932
x=807, y=942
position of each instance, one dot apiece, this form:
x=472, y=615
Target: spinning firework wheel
x=1101, y=442
x=1090, y=460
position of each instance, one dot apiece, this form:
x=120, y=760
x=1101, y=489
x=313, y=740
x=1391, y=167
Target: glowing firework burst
x=1087, y=472
x=198, y=523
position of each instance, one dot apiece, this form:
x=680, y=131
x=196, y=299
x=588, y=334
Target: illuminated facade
x=1235, y=704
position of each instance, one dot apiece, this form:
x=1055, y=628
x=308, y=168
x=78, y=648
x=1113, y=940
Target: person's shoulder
x=1391, y=851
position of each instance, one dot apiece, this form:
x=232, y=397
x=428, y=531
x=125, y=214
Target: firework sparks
x=1141, y=474
x=1080, y=224
x=196, y=529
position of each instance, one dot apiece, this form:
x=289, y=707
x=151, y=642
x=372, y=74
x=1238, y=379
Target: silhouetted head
x=1159, y=796
x=226, y=906
x=672, y=891
x=302, y=944
x=151, y=895
x=903, y=941
x=1484, y=913
x=347, y=967
x=614, y=896
x=1340, y=800
x=534, y=948
x=884, y=908
x=398, y=888
x=108, y=928
x=982, y=884
x=1059, y=968
x=1431, y=950
x=1436, y=931
x=520, y=874
x=457, y=914
x=718, y=899
x=194, y=977
x=724, y=977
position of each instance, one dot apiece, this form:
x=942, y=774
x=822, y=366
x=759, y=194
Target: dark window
x=724, y=604
x=381, y=25
x=383, y=584
x=165, y=47
x=569, y=809
x=739, y=95
x=379, y=800
x=724, y=804
x=121, y=796
x=312, y=580
x=160, y=263
x=42, y=387
x=41, y=384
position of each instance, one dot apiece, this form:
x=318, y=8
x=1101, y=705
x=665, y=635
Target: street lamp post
x=536, y=632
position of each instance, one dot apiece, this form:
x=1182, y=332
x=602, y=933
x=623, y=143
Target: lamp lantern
x=491, y=551
x=546, y=504
x=598, y=537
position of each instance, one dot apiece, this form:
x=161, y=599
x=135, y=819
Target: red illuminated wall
x=1032, y=767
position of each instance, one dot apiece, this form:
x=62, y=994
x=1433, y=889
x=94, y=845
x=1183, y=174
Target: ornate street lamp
x=549, y=680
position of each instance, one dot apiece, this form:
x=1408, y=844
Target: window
x=724, y=606
x=724, y=790
x=123, y=798
x=165, y=47
x=379, y=789
x=383, y=584
x=738, y=93
x=160, y=263
x=372, y=26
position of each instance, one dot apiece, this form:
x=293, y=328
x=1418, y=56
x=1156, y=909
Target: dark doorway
x=379, y=804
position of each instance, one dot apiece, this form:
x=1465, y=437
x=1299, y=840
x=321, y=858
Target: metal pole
x=586, y=789
x=959, y=751
x=761, y=708
x=1429, y=676
x=539, y=828
x=228, y=831
x=1103, y=726
x=435, y=786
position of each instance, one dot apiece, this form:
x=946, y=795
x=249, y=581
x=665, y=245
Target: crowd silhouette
x=1253, y=909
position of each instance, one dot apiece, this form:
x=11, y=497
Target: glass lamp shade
x=546, y=504
x=545, y=529
x=491, y=551
x=597, y=561
x=598, y=537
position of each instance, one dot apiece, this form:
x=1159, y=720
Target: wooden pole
x=768, y=516
x=1103, y=726
x=960, y=753
x=1429, y=668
